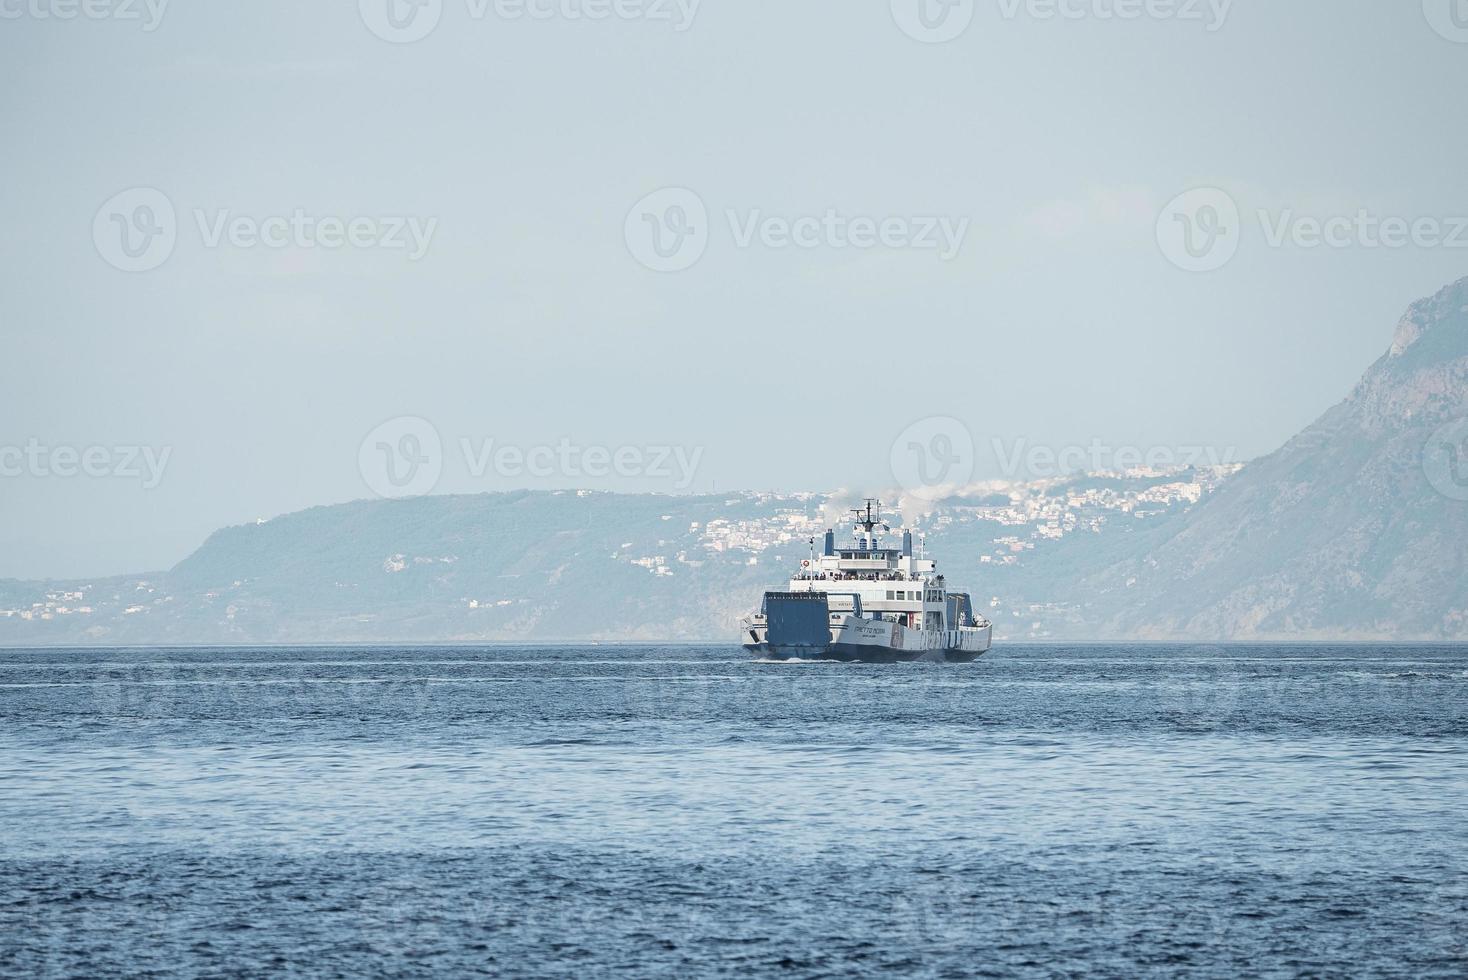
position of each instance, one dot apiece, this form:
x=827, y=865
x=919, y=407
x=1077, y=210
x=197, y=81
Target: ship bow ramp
x=799, y=620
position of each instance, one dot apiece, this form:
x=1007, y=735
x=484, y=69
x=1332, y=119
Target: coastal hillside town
x=1021, y=514
x=585, y=566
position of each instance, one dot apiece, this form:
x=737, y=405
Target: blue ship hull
x=858, y=653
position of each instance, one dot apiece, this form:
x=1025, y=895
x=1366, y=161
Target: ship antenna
x=864, y=516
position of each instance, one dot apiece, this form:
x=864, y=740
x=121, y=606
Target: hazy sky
x=965, y=229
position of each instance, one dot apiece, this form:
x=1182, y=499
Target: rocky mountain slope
x=1357, y=527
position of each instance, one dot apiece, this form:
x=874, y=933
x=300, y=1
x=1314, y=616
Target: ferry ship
x=867, y=603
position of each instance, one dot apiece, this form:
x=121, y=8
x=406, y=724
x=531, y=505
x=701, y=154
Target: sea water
x=682, y=811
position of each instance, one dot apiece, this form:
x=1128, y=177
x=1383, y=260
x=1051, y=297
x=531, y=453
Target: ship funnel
x=830, y=543
x=906, y=543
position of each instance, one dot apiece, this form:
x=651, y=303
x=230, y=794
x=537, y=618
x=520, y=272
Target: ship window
x=889, y=593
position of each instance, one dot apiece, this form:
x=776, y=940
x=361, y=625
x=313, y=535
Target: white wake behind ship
x=867, y=603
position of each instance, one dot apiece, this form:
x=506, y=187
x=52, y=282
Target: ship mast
x=867, y=521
